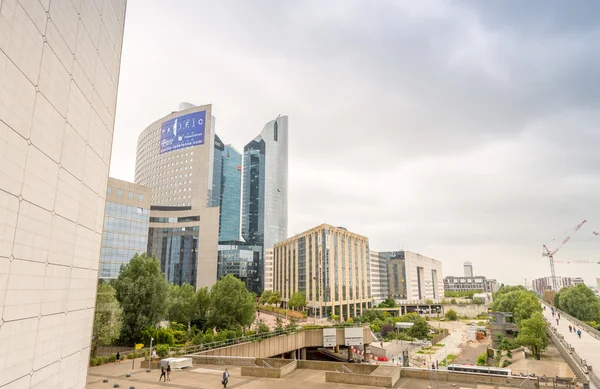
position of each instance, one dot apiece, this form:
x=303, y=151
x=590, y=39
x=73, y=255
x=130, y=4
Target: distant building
x=540, y=285
x=125, y=231
x=227, y=190
x=379, y=277
x=468, y=268
x=330, y=264
x=412, y=276
x=240, y=260
x=468, y=284
x=268, y=269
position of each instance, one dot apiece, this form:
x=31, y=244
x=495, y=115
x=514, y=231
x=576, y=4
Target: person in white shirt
x=225, y=378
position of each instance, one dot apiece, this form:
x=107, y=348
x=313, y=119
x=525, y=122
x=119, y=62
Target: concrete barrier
x=280, y=371
x=359, y=379
x=450, y=376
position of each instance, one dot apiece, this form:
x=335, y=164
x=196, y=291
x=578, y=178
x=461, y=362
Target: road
x=586, y=348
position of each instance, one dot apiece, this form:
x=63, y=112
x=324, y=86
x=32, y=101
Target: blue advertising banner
x=183, y=131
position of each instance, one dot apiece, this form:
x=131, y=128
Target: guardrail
x=255, y=337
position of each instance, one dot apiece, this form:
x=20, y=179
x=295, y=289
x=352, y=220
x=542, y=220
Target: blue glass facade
x=125, y=234
x=177, y=249
x=231, y=193
x=240, y=260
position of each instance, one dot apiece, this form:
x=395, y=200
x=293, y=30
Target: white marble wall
x=59, y=70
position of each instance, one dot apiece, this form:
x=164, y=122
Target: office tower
x=379, y=276
x=125, y=232
x=58, y=81
x=175, y=159
x=228, y=177
x=412, y=276
x=268, y=282
x=330, y=264
x=468, y=268
x=264, y=207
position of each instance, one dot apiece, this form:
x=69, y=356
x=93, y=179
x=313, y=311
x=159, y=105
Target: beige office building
x=330, y=264
x=59, y=72
x=175, y=157
x=268, y=269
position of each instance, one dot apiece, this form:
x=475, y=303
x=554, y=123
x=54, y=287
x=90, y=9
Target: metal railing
x=253, y=338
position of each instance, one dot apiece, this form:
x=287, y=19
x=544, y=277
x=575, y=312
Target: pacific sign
x=183, y=131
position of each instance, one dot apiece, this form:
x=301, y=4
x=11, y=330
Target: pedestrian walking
x=118, y=360
x=225, y=378
x=559, y=315
x=557, y=321
x=168, y=372
x=570, y=329
x=163, y=373
x=433, y=366
x=579, y=333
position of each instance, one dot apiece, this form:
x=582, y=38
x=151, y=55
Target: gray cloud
x=462, y=130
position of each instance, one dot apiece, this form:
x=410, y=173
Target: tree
x=231, y=305
x=388, y=303
x=274, y=298
x=518, y=301
x=579, y=301
x=108, y=317
x=419, y=330
x=549, y=296
x=182, y=304
x=298, y=300
x=451, y=315
x=264, y=297
x=143, y=292
x=532, y=334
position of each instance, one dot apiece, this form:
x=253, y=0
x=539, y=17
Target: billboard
x=329, y=337
x=182, y=131
x=353, y=336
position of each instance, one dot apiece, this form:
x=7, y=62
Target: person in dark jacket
x=163, y=373
x=225, y=378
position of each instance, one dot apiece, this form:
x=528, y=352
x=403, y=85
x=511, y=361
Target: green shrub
x=451, y=315
x=165, y=336
x=250, y=332
x=482, y=359
x=506, y=363
x=453, y=301
x=162, y=350
x=480, y=323
x=124, y=357
x=263, y=328
x=112, y=358
x=130, y=356
x=93, y=362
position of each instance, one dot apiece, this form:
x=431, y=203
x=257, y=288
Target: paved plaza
x=209, y=377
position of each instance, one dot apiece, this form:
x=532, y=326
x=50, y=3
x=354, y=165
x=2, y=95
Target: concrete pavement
x=586, y=347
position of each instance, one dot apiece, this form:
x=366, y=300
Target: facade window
x=130, y=195
x=109, y=190
x=119, y=192
x=141, y=197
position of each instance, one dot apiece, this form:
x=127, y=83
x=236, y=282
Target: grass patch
x=439, y=345
x=426, y=348
x=420, y=352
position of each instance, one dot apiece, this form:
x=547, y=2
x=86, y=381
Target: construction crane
x=550, y=254
x=584, y=262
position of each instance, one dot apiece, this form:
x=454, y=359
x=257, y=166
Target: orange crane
x=550, y=254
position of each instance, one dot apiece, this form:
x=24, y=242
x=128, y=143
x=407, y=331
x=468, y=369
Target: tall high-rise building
x=264, y=199
x=125, y=233
x=60, y=64
x=228, y=178
x=175, y=158
x=330, y=265
x=468, y=268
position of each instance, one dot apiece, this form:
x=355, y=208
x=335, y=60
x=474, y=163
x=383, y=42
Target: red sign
x=239, y=168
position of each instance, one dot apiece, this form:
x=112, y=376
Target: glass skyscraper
x=227, y=190
x=125, y=233
x=264, y=204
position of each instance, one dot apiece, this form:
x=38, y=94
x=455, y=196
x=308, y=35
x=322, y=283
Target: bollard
x=105, y=380
x=127, y=375
x=115, y=385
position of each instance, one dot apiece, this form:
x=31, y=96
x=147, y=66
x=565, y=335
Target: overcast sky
x=463, y=130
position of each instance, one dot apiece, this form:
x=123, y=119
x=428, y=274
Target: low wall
x=568, y=355
x=275, y=372
x=448, y=376
x=436, y=339
x=469, y=310
x=154, y=365
x=359, y=379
